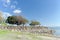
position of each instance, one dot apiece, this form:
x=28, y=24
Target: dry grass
x=13, y=35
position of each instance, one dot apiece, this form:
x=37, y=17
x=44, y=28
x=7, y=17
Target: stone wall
x=37, y=29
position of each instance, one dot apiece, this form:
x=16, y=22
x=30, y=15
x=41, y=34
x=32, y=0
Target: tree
x=11, y=20
x=21, y=20
x=16, y=20
x=33, y=23
x=24, y=21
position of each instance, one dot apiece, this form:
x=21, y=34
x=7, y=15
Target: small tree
x=33, y=23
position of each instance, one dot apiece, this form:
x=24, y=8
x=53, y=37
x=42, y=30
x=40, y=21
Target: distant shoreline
x=57, y=30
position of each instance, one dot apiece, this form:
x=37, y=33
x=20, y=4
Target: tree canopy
x=16, y=20
x=11, y=20
x=33, y=23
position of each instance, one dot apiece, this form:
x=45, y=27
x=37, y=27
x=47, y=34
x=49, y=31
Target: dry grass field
x=13, y=35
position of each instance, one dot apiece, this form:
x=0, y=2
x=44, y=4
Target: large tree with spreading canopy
x=18, y=20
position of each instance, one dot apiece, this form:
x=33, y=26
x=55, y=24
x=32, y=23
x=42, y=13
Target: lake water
x=57, y=29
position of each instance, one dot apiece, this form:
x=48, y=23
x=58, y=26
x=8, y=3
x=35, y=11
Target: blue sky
x=45, y=11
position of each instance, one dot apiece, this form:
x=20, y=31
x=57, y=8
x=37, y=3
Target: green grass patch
x=13, y=35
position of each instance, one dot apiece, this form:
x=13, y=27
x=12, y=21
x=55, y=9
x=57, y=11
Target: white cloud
x=17, y=11
x=13, y=6
x=8, y=1
x=6, y=14
x=4, y=5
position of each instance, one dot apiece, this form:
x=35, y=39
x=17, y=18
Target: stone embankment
x=33, y=29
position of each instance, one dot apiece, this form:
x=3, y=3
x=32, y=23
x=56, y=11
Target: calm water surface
x=57, y=29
